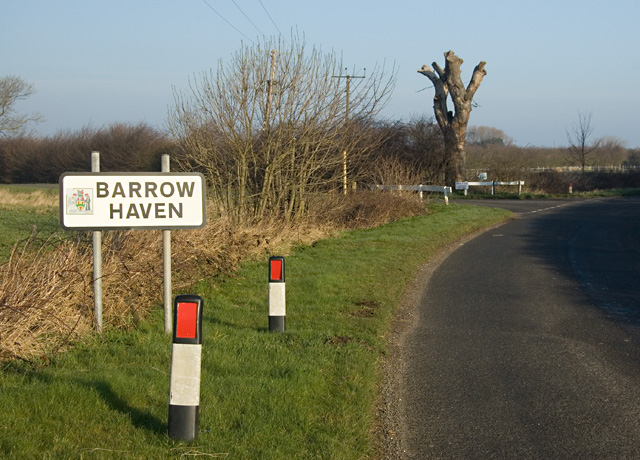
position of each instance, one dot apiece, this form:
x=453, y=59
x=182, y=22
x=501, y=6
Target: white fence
x=418, y=188
x=609, y=168
x=465, y=185
x=447, y=190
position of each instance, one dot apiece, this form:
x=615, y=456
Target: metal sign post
x=166, y=262
x=97, y=258
x=119, y=201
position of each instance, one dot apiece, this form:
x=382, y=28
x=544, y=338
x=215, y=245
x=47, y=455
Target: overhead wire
x=270, y=18
x=247, y=17
x=228, y=22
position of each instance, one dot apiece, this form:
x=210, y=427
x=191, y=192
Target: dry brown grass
x=37, y=199
x=43, y=298
x=46, y=294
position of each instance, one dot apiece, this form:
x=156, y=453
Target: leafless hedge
x=558, y=182
x=122, y=147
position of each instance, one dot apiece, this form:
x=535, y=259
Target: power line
x=225, y=20
x=270, y=18
x=247, y=17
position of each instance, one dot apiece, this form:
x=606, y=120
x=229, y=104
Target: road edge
x=390, y=426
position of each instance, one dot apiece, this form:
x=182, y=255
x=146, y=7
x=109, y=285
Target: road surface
x=526, y=343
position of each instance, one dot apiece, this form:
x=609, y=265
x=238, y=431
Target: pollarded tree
x=448, y=81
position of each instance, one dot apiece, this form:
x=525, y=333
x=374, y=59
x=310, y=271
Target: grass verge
x=25, y=209
x=308, y=393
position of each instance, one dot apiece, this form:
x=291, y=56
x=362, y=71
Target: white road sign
x=104, y=201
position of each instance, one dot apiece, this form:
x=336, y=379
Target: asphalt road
x=527, y=340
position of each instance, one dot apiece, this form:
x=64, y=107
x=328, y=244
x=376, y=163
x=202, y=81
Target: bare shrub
x=503, y=163
x=547, y=182
x=271, y=128
x=123, y=147
x=365, y=209
x=394, y=171
x=410, y=153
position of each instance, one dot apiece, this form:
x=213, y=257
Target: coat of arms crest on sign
x=79, y=201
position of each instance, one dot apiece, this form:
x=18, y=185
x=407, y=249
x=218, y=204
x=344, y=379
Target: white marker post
x=277, y=304
x=186, y=357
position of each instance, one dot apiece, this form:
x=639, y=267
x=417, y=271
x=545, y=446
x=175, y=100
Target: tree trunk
x=453, y=124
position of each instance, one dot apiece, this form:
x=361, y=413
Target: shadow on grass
x=139, y=418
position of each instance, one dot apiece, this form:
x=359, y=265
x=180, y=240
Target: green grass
x=307, y=393
x=18, y=222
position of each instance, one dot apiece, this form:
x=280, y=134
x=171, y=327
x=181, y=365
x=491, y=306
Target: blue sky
x=94, y=62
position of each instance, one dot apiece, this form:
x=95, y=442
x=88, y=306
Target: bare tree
x=611, y=151
x=634, y=158
x=271, y=127
x=453, y=124
x=12, y=90
x=487, y=136
x=580, y=148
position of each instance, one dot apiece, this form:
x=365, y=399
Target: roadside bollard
x=186, y=354
x=277, y=305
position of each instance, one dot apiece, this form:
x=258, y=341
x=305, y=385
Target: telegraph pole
x=344, y=153
x=270, y=87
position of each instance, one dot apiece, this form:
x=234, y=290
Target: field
x=25, y=208
x=308, y=393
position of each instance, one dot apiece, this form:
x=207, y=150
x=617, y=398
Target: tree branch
x=441, y=94
x=476, y=79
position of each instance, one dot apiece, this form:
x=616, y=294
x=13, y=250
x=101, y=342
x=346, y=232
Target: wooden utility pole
x=270, y=87
x=344, y=153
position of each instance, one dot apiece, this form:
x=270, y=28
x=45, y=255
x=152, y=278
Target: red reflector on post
x=186, y=360
x=276, y=270
x=277, y=307
x=187, y=320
